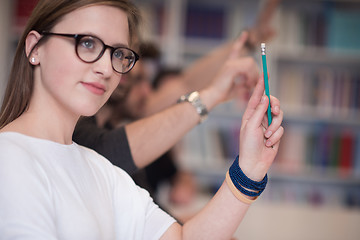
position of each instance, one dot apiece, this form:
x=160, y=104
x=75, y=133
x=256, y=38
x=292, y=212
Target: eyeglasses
x=90, y=49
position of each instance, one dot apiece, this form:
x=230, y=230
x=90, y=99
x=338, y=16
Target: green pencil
x=266, y=81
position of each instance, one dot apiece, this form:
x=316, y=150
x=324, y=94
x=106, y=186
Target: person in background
x=135, y=142
x=120, y=111
x=125, y=106
x=128, y=104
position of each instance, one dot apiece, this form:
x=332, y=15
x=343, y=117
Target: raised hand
x=237, y=76
x=259, y=143
x=262, y=30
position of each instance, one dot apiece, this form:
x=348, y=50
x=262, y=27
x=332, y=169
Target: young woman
x=71, y=57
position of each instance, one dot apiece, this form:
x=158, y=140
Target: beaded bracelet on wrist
x=240, y=184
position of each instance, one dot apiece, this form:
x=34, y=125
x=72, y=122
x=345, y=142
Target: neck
x=43, y=126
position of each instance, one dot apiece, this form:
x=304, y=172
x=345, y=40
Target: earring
x=32, y=60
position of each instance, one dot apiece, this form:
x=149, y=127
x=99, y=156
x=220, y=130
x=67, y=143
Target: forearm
x=165, y=96
x=218, y=220
x=150, y=137
x=201, y=72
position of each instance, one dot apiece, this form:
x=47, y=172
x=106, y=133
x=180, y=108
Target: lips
x=96, y=88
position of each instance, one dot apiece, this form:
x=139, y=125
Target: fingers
x=255, y=115
x=247, y=71
x=259, y=113
x=254, y=99
x=238, y=45
x=275, y=105
x=274, y=132
x=275, y=137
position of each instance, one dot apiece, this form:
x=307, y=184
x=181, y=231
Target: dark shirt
x=111, y=143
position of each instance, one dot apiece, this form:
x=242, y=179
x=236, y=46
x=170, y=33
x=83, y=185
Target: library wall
x=318, y=83
x=314, y=65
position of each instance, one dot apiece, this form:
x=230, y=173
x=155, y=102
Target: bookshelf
x=314, y=70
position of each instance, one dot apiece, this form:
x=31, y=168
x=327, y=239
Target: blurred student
x=134, y=146
x=135, y=98
x=106, y=132
x=120, y=111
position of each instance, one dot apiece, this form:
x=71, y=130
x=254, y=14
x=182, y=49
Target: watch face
x=194, y=99
x=194, y=96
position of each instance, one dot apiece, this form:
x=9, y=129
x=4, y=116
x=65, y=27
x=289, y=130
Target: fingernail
x=268, y=134
x=277, y=109
x=268, y=143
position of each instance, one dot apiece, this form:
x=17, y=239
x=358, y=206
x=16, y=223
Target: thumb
x=238, y=45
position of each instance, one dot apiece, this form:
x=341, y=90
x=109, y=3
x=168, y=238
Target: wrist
x=194, y=99
x=253, y=171
x=209, y=98
x=242, y=186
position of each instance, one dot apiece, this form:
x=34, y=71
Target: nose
x=103, y=66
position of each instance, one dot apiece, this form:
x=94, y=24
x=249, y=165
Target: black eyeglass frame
x=78, y=37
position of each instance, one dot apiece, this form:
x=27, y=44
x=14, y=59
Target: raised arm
x=223, y=214
x=207, y=66
x=152, y=136
x=200, y=74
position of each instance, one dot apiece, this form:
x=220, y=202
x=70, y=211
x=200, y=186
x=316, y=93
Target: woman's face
x=66, y=82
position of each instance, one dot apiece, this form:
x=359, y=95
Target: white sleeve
x=137, y=211
x=157, y=222
x=25, y=203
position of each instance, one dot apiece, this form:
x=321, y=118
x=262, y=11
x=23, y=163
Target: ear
x=31, y=47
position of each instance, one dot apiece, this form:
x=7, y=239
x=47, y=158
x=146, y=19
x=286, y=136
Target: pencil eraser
x=262, y=45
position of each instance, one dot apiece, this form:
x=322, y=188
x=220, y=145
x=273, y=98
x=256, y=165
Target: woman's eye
x=88, y=44
x=119, y=54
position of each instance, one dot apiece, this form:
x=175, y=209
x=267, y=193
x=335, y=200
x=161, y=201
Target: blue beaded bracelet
x=241, y=181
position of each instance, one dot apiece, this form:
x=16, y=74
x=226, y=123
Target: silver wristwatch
x=194, y=99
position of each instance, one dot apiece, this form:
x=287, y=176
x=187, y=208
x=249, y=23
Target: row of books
x=317, y=164
x=326, y=25
x=317, y=195
x=320, y=147
x=327, y=90
x=205, y=22
x=199, y=21
x=323, y=147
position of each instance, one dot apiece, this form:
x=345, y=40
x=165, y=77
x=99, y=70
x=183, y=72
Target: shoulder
x=101, y=163
x=13, y=146
x=19, y=165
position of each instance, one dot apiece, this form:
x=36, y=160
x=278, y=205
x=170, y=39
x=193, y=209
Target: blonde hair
x=44, y=17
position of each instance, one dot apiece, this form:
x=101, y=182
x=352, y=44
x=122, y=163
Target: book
x=205, y=22
x=326, y=89
x=292, y=150
x=357, y=155
x=343, y=29
x=346, y=152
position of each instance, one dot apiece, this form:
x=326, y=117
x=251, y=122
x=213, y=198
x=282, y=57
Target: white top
x=54, y=191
